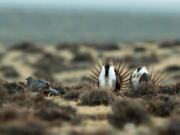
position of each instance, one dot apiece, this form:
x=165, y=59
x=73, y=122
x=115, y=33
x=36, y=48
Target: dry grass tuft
x=49, y=64
x=173, y=128
x=99, y=132
x=27, y=47
x=23, y=128
x=170, y=89
x=93, y=97
x=128, y=111
x=73, y=94
x=58, y=114
x=139, y=49
x=83, y=57
x=163, y=105
x=9, y=72
x=146, y=89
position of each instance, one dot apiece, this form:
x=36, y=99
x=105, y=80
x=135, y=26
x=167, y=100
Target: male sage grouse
x=141, y=75
x=109, y=74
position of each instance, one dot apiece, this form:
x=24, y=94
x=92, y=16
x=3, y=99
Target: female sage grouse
x=110, y=74
x=141, y=75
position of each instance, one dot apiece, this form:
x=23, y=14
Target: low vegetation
x=81, y=109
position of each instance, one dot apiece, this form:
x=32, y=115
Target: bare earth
x=66, y=67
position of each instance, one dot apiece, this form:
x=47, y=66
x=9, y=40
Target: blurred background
x=58, y=39
x=53, y=21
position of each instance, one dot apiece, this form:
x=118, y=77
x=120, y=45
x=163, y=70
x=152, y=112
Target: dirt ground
x=83, y=110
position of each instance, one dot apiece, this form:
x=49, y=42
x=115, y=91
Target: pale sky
x=141, y=4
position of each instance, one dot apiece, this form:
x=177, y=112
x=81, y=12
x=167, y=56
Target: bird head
x=138, y=73
x=29, y=79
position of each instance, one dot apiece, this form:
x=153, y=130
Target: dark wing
x=118, y=83
x=144, y=78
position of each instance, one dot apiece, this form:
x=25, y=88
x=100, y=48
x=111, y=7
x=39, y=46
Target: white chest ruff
x=108, y=82
x=135, y=83
x=135, y=80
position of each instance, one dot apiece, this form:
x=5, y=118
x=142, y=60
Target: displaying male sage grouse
x=110, y=74
x=141, y=75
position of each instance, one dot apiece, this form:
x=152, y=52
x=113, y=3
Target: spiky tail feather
x=157, y=78
x=121, y=71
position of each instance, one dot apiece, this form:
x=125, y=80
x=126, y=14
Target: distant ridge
x=53, y=26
